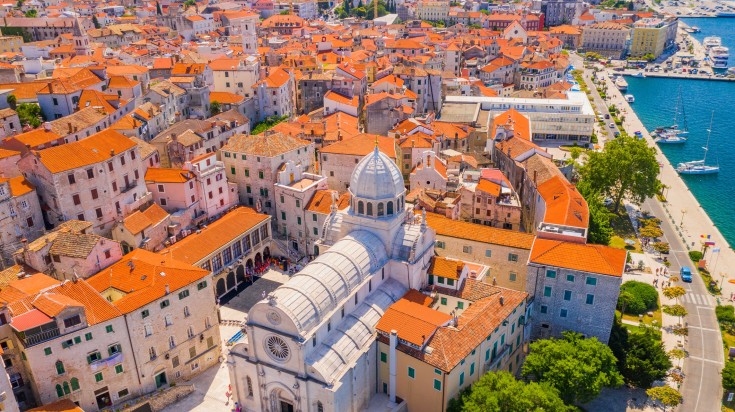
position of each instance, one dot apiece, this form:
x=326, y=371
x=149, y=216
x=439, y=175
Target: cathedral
x=311, y=344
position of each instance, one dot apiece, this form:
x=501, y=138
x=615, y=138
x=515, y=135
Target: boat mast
x=683, y=113
x=709, y=133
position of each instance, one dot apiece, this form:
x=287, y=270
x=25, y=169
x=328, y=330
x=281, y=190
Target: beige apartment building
x=606, y=38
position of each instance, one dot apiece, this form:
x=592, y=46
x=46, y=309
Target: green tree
x=577, y=367
x=12, y=101
x=618, y=342
x=639, y=297
x=158, y=9
x=215, y=108
x=284, y=12
x=728, y=375
x=651, y=232
x=646, y=360
x=29, y=114
x=501, y=392
x=189, y=3
x=675, y=310
x=665, y=395
x=662, y=247
x=599, y=230
x=678, y=354
x=32, y=13
x=674, y=292
x=625, y=169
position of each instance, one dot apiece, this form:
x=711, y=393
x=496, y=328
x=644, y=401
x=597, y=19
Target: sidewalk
x=682, y=208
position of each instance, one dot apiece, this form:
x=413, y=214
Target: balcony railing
x=494, y=362
x=31, y=340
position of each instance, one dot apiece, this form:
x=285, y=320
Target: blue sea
x=655, y=101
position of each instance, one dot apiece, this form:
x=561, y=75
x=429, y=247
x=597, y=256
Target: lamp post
x=683, y=212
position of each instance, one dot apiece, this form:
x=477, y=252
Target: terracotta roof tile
x=445, y=267
x=94, y=149
x=167, y=175
x=264, y=144
x=479, y=233
x=414, y=323
x=590, y=258
x=564, y=204
x=363, y=144
x=321, y=201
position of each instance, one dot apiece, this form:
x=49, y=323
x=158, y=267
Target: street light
x=683, y=212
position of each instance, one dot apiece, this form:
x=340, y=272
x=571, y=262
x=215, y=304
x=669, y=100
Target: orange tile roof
x=321, y=201
x=489, y=187
x=140, y=220
x=18, y=185
x=264, y=144
x=416, y=296
x=37, y=137
x=453, y=344
x=363, y=144
x=479, y=233
x=95, y=149
x=445, y=267
x=564, y=204
x=590, y=258
x=414, y=323
x=64, y=405
x=513, y=120
x=5, y=153
x=225, y=98
x=197, y=246
x=167, y=175
x=341, y=99
x=277, y=78
x=142, y=277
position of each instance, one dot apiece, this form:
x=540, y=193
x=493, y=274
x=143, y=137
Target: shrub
x=638, y=298
x=695, y=255
x=728, y=375
x=725, y=314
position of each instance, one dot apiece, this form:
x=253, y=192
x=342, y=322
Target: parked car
x=686, y=274
x=612, y=125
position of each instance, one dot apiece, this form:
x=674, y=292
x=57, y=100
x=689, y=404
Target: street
x=702, y=389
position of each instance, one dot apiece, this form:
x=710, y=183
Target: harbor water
x=655, y=105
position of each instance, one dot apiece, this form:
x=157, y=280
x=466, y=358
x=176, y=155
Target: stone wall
x=161, y=399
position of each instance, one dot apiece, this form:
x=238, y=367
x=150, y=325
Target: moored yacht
x=719, y=56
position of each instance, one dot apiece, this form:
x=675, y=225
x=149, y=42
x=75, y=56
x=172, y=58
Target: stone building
x=20, y=215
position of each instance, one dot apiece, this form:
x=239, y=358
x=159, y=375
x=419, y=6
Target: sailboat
x=673, y=134
x=699, y=167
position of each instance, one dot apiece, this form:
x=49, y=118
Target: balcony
x=130, y=186
x=493, y=363
x=40, y=337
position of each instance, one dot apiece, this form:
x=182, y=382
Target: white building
x=311, y=343
x=236, y=75
x=20, y=215
x=95, y=179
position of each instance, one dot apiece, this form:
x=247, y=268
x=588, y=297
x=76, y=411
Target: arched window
x=60, y=368
x=59, y=391
x=360, y=208
x=370, y=209
x=319, y=407
x=74, y=384
x=250, y=386
x=66, y=388
x=381, y=209
x=390, y=208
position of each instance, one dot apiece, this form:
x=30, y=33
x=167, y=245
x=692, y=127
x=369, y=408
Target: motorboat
x=719, y=56
x=639, y=74
x=621, y=84
x=629, y=98
x=711, y=41
x=700, y=167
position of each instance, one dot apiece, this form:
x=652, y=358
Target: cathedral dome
x=377, y=177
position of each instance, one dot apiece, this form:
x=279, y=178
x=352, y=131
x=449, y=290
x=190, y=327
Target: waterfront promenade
x=684, y=221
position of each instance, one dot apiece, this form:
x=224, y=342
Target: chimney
x=392, y=384
x=535, y=175
x=502, y=300
x=168, y=291
x=71, y=128
x=112, y=152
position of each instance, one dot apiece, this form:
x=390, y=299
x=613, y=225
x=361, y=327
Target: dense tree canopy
x=599, y=231
x=501, y=392
x=637, y=297
x=646, y=360
x=626, y=169
x=30, y=114
x=577, y=367
x=665, y=395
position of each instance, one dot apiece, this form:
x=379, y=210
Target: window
x=183, y=294
x=88, y=336
x=488, y=253
x=513, y=276
x=411, y=372
x=171, y=342
x=590, y=299
x=186, y=312
x=570, y=278
x=109, y=329
x=383, y=357
x=544, y=309
x=438, y=372
x=512, y=257
x=119, y=368
x=450, y=282
x=444, y=301
x=90, y=173
x=148, y=329
x=460, y=305
x=261, y=175
x=74, y=384
x=567, y=295
x=76, y=199
x=47, y=351
x=440, y=244
x=98, y=377
x=113, y=349
x=71, y=178
x=60, y=368
x=437, y=384
x=77, y=339
x=466, y=249
x=591, y=281
x=201, y=285
x=190, y=332
x=168, y=320
x=123, y=393
x=551, y=274
x=98, y=211
x=165, y=304
x=472, y=369
x=72, y=321
x=192, y=352
x=93, y=357
x=152, y=353
x=547, y=291
x=563, y=313
x=144, y=314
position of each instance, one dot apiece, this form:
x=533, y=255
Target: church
x=311, y=344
